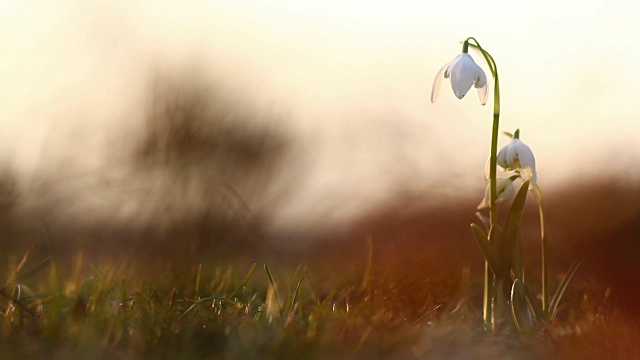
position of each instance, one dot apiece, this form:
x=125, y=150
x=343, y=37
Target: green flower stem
x=489, y=291
x=465, y=46
x=545, y=260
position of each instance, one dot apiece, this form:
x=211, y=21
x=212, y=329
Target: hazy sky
x=355, y=77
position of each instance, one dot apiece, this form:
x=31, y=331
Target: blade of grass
x=214, y=298
x=243, y=283
x=367, y=271
x=553, y=306
x=273, y=285
x=515, y=307
x=543, y=246
x=198, y=278
x=295, y=293
x=16, y=301
x=518, y=300
x=16, y=270
x=533, y=304
x=43, y=265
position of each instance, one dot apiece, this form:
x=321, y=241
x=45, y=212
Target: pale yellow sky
x=354, y=75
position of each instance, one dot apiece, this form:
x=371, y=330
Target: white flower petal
x=533, y=179
x=502, y=157
x=481, y=80
x=505, y=190
x=512, y=154
x=487, y=169
x=486, y=201
x=435, y=89
x=525, y=155
x=463, y=74
x=481, y=85
x=529, y=174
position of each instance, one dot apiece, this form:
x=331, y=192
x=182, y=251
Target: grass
x=125, y=309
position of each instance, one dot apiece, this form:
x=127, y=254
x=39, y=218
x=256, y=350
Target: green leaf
x=512, y=225
x=488, y=251
x=553, y=307
x=495, y=237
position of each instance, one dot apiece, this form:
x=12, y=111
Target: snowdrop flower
x=463, y=73
x=505, y=189
x=518, y=156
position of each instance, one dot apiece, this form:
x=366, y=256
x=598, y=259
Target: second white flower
x=516, y=155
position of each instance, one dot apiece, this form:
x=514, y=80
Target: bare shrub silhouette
x=199, y=170
x=209, y=157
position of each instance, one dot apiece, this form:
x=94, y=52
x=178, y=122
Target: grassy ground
x=127, y=309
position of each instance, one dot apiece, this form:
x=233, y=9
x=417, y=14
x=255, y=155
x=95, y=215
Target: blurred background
x=227, y=125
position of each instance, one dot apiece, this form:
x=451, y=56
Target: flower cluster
x=505, y=292
x=463, y=72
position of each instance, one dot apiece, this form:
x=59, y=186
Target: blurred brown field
x=425, y=248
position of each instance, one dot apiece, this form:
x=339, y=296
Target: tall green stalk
x=489, y=277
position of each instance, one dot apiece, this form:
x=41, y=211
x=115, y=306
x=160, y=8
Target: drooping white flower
x=505, y=190
x=516, y=155
x=463, y=73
